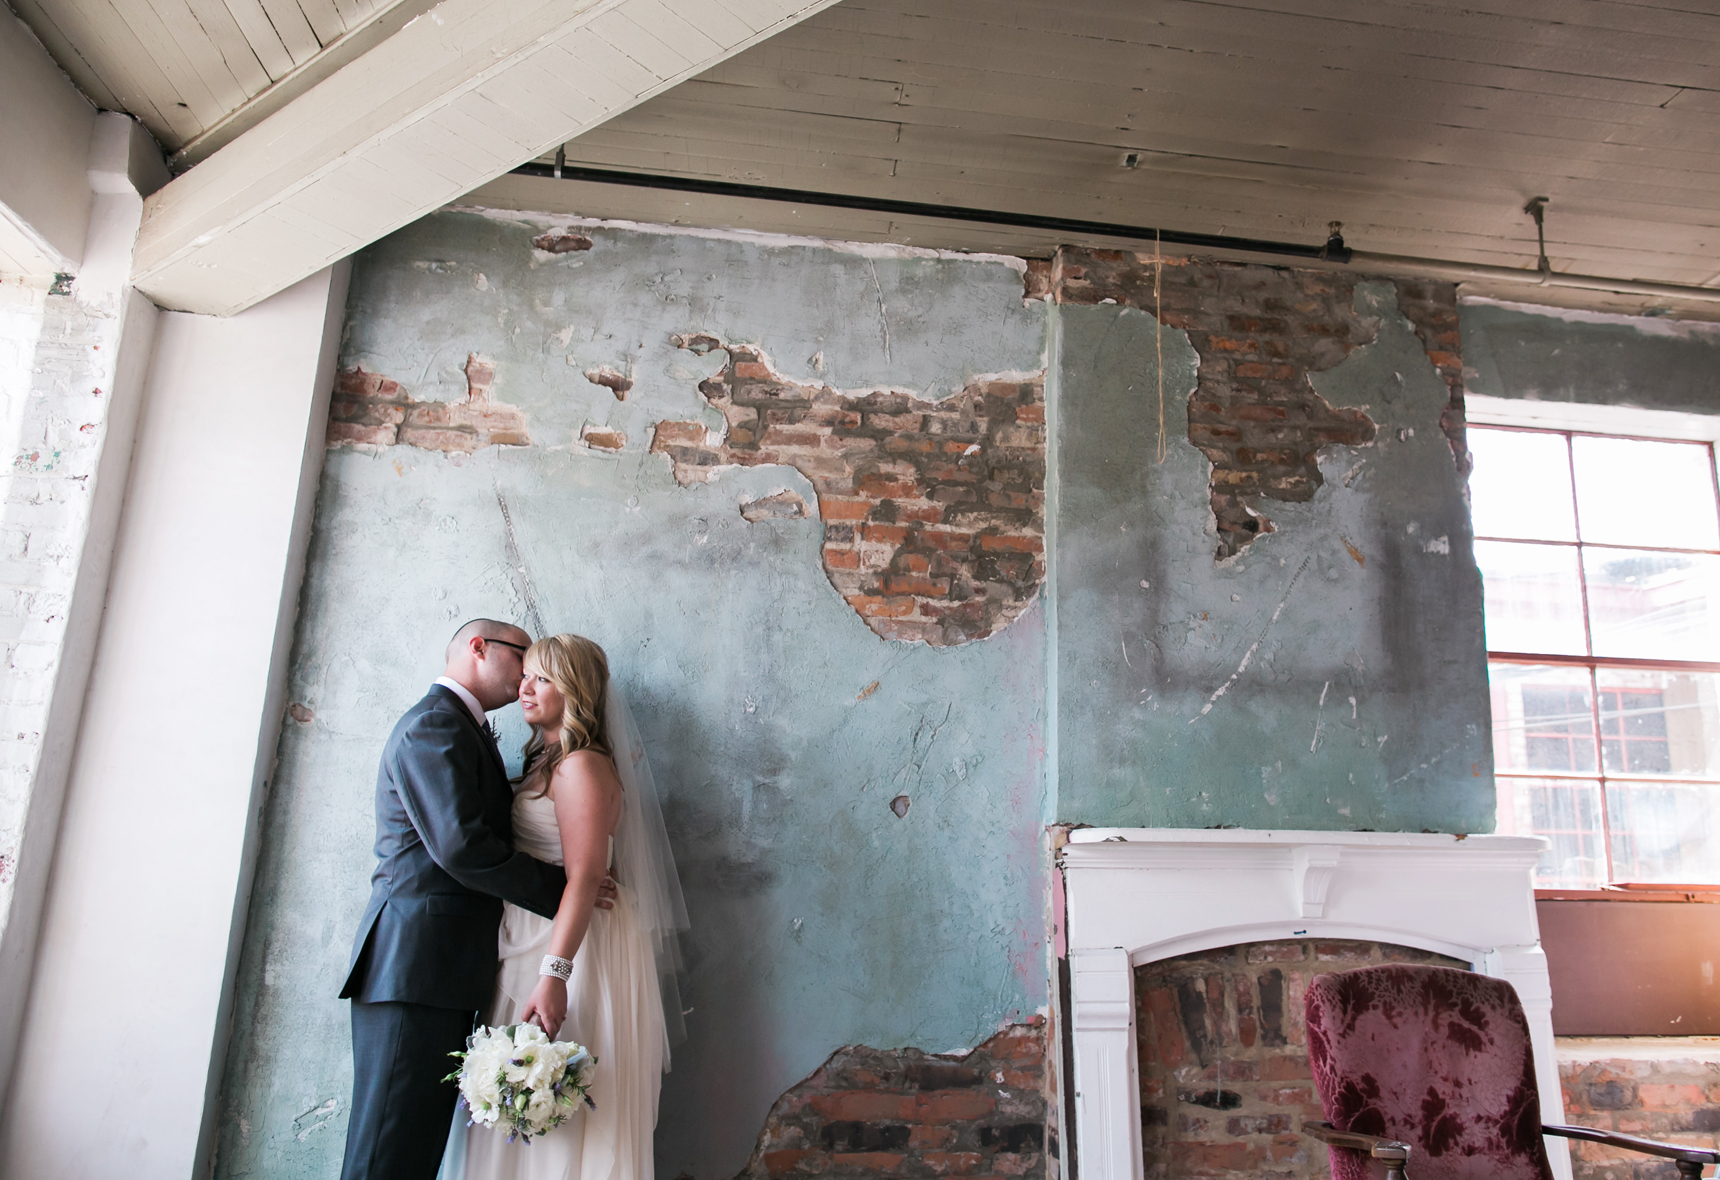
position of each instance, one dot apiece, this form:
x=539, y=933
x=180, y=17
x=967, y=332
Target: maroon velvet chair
x=1433, y=1067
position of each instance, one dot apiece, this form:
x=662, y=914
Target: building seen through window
x=1601, y=562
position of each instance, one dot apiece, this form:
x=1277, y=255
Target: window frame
x=1572, y=422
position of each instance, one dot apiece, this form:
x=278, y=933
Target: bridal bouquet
x=517, y=1077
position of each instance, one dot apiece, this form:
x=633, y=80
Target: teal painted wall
x=1295, y=685
x=1561, y=356
x=819, y=918
x=1353, y=694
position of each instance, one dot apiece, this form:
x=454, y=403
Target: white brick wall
x=57, y=358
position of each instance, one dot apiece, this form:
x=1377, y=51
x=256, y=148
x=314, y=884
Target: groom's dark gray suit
x=424, y=960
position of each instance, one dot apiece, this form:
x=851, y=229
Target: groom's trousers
x=401, y=1107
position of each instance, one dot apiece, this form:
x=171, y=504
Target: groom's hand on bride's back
x=606, y=894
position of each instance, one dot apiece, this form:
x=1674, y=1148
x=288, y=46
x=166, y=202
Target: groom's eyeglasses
x=522, y=648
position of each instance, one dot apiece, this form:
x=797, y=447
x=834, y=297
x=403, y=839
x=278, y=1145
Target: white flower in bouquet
x=518, y=1078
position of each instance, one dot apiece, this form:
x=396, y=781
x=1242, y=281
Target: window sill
x=1700, y=894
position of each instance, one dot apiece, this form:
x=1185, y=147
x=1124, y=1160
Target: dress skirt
x=613, y=1010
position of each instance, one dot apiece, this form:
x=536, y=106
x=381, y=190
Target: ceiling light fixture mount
x=1335, y=249
x=1537, y=208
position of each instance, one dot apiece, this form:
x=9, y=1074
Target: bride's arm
x=587, y=796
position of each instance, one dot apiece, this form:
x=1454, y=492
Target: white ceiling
x=1422, y=126
x=197, y=72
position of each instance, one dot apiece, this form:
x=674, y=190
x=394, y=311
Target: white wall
x=73, y=386
x=45, y=125
x=151, y=876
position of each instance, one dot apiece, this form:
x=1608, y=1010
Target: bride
x=586, y=801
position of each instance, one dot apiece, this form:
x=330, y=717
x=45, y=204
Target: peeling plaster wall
x=780, y=726
x=1546, y=354
x=859, y=819
x=1330, y=676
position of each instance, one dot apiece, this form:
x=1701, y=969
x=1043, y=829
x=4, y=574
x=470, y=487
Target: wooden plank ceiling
x=1422, y=126
x=198, y=72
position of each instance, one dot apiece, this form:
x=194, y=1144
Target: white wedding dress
x=613, y=1009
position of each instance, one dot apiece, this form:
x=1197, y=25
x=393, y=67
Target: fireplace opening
x=1223, y=1054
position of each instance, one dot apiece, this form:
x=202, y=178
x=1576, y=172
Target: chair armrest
x=1671, y=1151
x=1380, y=1148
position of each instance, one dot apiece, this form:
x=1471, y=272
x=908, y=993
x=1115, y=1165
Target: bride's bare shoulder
x=588, y=766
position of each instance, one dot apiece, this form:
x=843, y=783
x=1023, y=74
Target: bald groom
x=424, y=961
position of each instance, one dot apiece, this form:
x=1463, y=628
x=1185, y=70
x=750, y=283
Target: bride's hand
x=606, y=894
x=548, y=1005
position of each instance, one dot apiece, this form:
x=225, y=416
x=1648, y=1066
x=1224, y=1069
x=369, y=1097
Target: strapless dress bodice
x=535, y=830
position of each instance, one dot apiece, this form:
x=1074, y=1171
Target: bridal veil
x=645, y=863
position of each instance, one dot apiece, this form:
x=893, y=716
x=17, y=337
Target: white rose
x=546, y=1069
x=484, y=1089
x=540, y=1111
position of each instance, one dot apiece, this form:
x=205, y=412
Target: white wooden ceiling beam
x=457, y=97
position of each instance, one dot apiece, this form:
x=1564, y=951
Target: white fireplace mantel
x=1136, y=895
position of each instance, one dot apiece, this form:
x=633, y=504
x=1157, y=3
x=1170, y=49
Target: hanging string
x=1159, y=339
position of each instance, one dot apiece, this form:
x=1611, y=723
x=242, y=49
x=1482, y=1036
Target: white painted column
x=1107, y=1067
x=1525, y=969
x=125, y=1032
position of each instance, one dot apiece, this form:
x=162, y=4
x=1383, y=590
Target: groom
x=424, y=960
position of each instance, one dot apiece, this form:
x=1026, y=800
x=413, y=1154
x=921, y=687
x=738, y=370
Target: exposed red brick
x=863, y=1106
x=601, y=438
x=782, y=1163
x=869, y=1161
x=907, y=1113
x=1215, y=1159
x=1664, y=1096
x=1432, y=308
x=562, y=242
x=899, y=467
x=1285, y=1068
x=350, y=432
x=374, y=410
x=953, y=1163
x=1675, y=1099
x=783, y=505
x=877, y=607
x=953, y=1106
x=1037, y=280
x=611, y=379
x=1260, y=331
x=929, y=1136
x=679, y=433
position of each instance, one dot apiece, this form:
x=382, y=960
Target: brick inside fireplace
x=1225, y=1083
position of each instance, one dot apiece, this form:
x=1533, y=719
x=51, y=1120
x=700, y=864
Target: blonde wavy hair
x=580, y=670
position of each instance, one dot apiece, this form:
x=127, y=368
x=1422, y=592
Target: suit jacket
x=445, y=862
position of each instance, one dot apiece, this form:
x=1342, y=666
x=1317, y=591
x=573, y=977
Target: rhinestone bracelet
x=557, y=966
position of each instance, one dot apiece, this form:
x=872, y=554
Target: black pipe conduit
x=1334, y=251
x=1069, y=225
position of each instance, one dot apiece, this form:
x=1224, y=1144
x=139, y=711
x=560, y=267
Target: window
x=1600, y=556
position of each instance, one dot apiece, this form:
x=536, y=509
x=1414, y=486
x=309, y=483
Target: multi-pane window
x=1601, y=561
